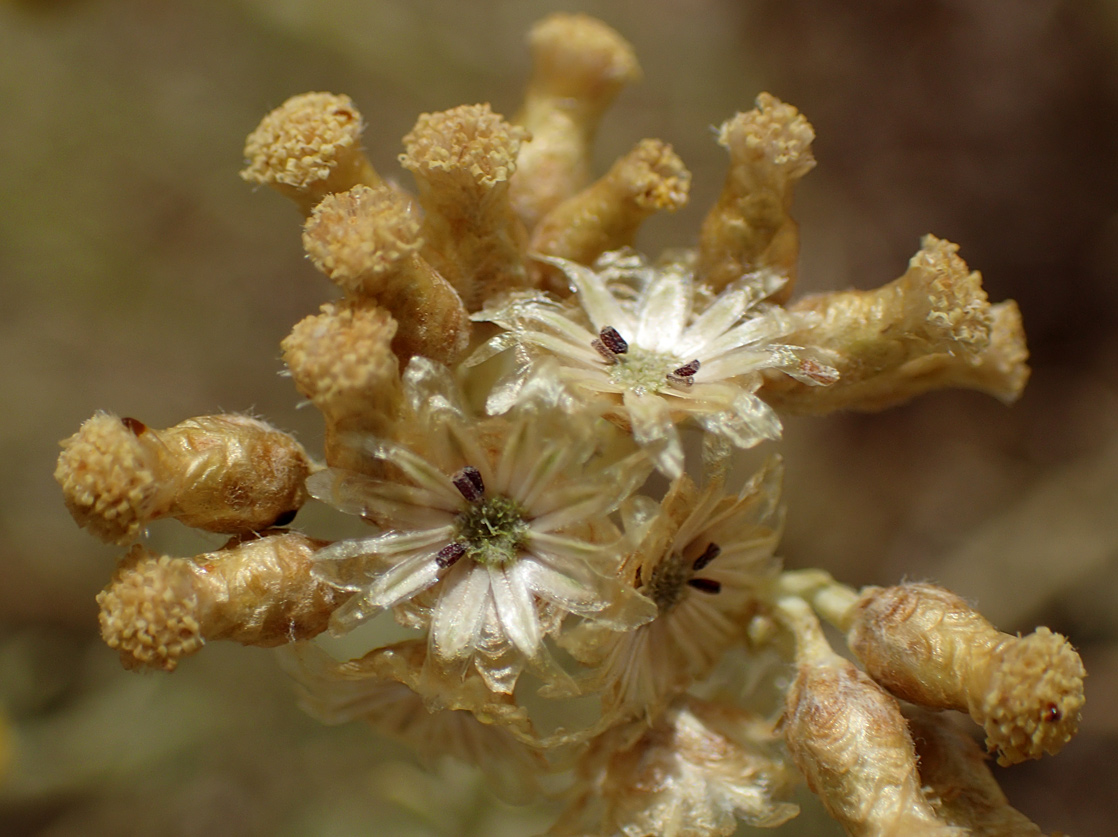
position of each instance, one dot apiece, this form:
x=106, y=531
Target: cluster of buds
x=499, y=377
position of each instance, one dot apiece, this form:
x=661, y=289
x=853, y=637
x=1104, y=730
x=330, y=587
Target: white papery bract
x=496, y=529
x=658, y=347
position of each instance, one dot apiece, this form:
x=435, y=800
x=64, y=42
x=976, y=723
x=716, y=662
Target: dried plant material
x=848, y=737
x=607, y=214
x=579, y=65
x=462, y=160
x=393, y=691
x=367, y=242
x=750, y=227
x=698, y=770
x=928, y=646
x=308, y=148
x=960, y=784
x=260, y=591
x=931, y=327
x=226, y=473
x=342, y=360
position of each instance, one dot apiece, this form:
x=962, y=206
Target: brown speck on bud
x=225, y=473
x=932, y=327
x=750, y=227
x=607, y=214
x=342, y=360
x=366, y=240
x=579, y=65
x=309, y=147
x=928, y=646
x=848, y=737
x=158, y=609
x=462, y=160
x=955, y=770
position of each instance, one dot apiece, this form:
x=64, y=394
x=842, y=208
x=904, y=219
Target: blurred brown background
x=139, y=274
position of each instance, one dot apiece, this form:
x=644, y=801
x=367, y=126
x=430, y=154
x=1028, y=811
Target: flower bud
x=928, y=646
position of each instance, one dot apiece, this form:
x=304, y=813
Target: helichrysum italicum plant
x=539, y=425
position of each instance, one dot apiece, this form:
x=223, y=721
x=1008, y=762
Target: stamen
x=705, y=585
x=613, y=341
x=449, y=554
x=712, y=551
x=469, y=484
x=135, y=425
x=684, y=376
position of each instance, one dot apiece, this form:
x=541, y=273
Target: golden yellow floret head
x=342, y=356
x=773, y=131
x=469, y=138
x=110, y=478
x=149, y=611
x=365, y=230
x=1032, y=706
x=301, y=141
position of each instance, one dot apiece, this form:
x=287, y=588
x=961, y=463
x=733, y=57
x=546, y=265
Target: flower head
x=701, y=559
x=659, y=347
x=495, y=529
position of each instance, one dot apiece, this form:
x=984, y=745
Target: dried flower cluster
x=538, y=424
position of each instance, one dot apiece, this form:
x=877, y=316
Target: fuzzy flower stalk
x=543, y=431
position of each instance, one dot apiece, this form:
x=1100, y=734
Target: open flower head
x=659, y=347
x=701, y=559
x=494, y=530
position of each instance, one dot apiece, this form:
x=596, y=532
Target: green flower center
x=492, y=531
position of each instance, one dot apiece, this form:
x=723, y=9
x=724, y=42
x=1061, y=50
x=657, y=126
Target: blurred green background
x=140, y=274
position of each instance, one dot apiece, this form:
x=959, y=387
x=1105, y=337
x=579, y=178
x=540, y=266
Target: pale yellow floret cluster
x=309, y=147
x=498, y=379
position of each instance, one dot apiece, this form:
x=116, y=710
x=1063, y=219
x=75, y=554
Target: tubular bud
x=607, y=214
x=225, y=473
x=342, y=360
x=932, y=327
x=366, y=240
x=462, y=160
x=579, y=65
x=158, y=609
x=848, y=737
x=308, y=148
x=928, y=646
x=750, y=227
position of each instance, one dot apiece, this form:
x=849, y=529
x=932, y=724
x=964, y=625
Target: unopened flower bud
x=607, y=214
x=928, y=646
x=308, y=148
x=462, y=160
x=578, y=67
x=848, y=737
x=158, y=609
x=367, y=242
x=750, y=227
x=932, y=327
x=225, y=473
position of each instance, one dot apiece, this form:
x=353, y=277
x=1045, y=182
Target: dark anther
x=468, y=482
x=135, y=425
x=1052, y=713
x=449, y=554
x=600, y=347
x=613, y=341
x=285, y=518
x=685, y=375
x=688, y=370
x=705, y=585
x=712, y=551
